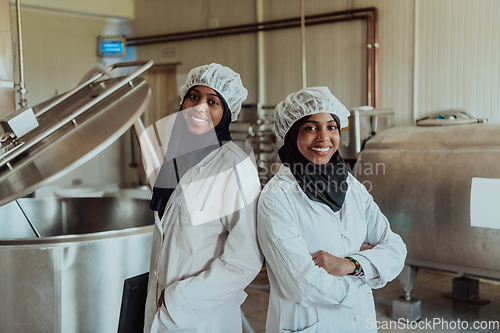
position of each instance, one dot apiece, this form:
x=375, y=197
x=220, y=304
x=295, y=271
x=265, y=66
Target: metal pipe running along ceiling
x=331, y=17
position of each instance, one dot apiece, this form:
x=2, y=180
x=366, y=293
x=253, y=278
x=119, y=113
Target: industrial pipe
x=303, y=42
x=375, y=46
x=22, y=90
x=369, y=57
x=325, y=18
x=162, y=38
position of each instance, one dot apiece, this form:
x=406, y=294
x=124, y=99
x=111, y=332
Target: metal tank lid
x=45, y=142
x=450, y=118
x=413, y=137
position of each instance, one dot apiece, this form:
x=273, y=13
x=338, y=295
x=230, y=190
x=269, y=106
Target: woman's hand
x=365, y=246
x=333, y=265
x=161, y=300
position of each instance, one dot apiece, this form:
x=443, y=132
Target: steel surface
x=421, y=179
x=70, y=279
x=51, y=155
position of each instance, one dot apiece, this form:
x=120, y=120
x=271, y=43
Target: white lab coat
x=304, y=297
x=205, y=249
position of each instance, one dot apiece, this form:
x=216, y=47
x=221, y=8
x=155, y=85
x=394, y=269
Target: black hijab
x=322, y=183
x=185, y=150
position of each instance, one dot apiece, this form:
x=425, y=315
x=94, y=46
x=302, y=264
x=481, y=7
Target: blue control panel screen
x=111, y=46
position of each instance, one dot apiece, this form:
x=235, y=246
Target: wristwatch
x=357, y=270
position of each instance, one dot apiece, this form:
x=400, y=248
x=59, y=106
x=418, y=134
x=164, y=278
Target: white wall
x=6, y=62
x=107, y=8
x=59, y=48
x=458, y=57
x=169, y=16
x=336, y=53
x=456, y=49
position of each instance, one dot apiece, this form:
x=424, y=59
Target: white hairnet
x=307, y=102
x=221, y=79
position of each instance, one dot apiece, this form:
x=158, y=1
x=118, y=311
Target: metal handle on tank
x=145, y=65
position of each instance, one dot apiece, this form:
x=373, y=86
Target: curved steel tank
x=421, y=178
x=63, y=261
x=70, y=278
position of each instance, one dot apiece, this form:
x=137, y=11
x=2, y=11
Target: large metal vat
x=63, y=261
x=421, y=178
x=70, y=278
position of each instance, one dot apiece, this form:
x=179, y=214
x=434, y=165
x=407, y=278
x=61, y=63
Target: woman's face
x=319, y=138
x=202, y=109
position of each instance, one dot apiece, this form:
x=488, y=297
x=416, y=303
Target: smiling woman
x=203, y=109
x=319, y=138
x=205, y=249
x=325, y=241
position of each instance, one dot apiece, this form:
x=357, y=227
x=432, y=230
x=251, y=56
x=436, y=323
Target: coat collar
x=216, y=156
x=286, y=174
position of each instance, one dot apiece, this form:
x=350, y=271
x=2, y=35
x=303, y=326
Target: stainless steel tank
x=70, y=278
x=421, y=178
x=63, y=261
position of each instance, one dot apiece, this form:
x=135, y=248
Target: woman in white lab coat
x=325, y=241
x=205, y=249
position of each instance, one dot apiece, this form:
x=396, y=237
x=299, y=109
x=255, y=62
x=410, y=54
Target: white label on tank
x=6, y=84
x=484, y=203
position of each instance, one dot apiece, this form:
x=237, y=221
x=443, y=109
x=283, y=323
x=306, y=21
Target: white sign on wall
x=168, y=52
x=485, y=203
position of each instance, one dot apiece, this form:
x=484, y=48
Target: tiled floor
x=431, y=287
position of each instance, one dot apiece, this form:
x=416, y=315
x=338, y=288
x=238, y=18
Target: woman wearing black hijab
x=205, y=249
x=325, y=241
x=191, y=139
